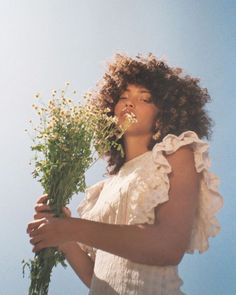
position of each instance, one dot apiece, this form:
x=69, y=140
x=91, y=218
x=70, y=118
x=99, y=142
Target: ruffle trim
x=156, y=187
x=91, y=196
x=148, y=192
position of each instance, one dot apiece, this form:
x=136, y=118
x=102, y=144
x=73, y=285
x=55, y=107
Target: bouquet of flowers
x=69, y=139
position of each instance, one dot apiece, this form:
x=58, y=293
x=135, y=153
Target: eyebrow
x=145, y=91
x=142, y=91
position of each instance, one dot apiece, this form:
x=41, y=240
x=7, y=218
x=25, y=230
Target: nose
x=129, y=103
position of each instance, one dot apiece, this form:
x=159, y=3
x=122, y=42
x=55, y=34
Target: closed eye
x=148, y=100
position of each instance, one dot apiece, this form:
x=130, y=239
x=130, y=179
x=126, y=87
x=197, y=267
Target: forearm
x=143, y=244
x=81, y=263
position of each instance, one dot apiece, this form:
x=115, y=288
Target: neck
x=135, y=146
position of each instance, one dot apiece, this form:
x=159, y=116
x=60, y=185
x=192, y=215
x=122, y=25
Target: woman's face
x=137, y=100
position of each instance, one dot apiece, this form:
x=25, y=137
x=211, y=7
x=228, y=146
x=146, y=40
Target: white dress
x=129, y=197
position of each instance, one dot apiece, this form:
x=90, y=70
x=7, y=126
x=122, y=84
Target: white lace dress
x=130, y=197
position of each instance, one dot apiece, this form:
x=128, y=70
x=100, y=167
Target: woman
x=158, y=202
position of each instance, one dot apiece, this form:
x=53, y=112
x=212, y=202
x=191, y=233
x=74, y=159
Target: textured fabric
x=130, y=197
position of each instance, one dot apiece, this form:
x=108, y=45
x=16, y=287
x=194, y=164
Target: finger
x=33, y=225
x=35, y=240
x=66, y=211
x=39, y=207
x=37, y=231
x=42, y=244
x=39, y=246
x=43, y=215
x=43, y=199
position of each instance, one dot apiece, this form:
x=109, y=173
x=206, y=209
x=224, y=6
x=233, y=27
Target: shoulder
x=186, y=149
x=182, y=165
x=181, y=157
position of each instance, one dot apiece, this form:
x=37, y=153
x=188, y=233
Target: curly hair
x=179, y=98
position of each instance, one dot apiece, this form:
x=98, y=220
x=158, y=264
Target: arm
x=81, y=263
x=167, y=238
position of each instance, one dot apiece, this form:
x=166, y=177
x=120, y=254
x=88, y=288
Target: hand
x=48, y=232
x=43, y=210
x=43, y=215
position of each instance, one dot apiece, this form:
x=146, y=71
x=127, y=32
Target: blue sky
x=46, y=43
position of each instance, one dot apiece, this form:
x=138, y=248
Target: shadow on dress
x=102, y=287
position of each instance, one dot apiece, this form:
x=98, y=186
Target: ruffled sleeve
x=155, y=189
x=91, y=195
x=210, y=201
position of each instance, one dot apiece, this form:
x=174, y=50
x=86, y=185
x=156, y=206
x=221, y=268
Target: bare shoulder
x=183, y=174
x=182, y=156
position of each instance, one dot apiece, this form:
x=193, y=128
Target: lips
x=127, y=111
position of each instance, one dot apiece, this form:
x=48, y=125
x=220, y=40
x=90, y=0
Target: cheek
x=154, y=112
x=151, y=117
x=117, y=108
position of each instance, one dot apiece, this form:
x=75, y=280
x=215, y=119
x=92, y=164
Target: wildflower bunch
x=69, y=139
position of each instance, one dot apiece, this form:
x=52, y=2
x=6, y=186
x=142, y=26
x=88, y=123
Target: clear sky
x=43, y=44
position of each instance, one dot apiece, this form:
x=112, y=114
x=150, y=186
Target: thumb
x=66, y=211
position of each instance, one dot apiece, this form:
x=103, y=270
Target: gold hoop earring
x=157, y=135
